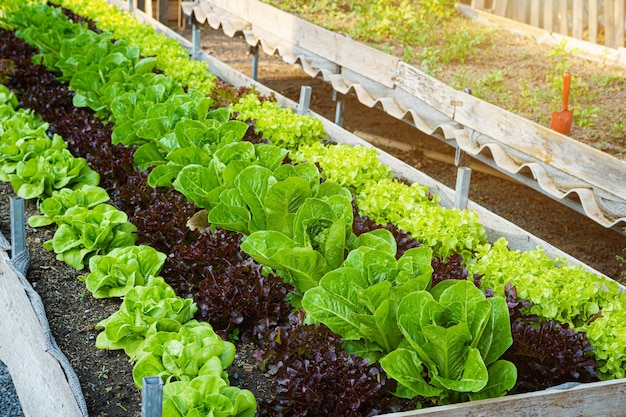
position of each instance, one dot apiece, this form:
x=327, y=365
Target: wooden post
x=534, y=12
x=593, y=21
x=162, y=11
x=499, y=7
x=478, y=4
x=619, y=23
x=608, y=23
x=563, y=26
x=548, y=15
x=577, y=20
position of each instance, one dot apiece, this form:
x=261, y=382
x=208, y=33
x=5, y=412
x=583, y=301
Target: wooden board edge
x=605, y=398
x=39, y=380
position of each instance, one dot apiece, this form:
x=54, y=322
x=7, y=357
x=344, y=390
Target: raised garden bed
x=116, y=179
x=523, y=148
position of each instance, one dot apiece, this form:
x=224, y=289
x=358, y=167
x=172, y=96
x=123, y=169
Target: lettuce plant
x=350, y=166
x=180, y=352
x=52, y=170
x=207, y=395
x=143, y=306
x=446, y=231
x=90, y=231
x=453, y=339
x=54, y=207
x=359, y=300
x=171, y=58
x=114, y=274
x=281, y=126
x=557, y=290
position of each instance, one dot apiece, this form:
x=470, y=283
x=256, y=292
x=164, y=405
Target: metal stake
x=305, y=99
x=254, y=51
x=195, y=41
x=338, y=108
x=18, y=227
x=463, y=177
x=152, y=397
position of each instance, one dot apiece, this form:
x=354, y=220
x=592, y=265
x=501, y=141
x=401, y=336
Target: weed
x=585, y=117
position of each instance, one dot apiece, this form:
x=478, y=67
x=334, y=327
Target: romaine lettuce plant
x=359, y=300
x=453, y=339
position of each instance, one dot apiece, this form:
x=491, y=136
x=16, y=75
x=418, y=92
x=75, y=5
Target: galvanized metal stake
x=195, y=41
x=18, y=227
x=152, y=397
x=463, y=177
x=339, y=102
x=305, y=99
x=461, y=195
x=130, y=6
x=254, y=50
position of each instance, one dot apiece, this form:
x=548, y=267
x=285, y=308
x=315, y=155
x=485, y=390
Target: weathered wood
x=563, y=25
x=578, y=21
x=593, y=21
x=606, y=399
x=293, y=32
x=478, y=4
x=609, y=24
x=534, y=13
x=619, y=23
x=39, y=380
x=592, y=165
x=499, y=7
x=162, y=11
x=548, y=15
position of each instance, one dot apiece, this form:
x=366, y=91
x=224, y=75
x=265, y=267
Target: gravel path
x=9, y=403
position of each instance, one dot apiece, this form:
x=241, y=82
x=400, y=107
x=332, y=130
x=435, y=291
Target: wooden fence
x=597, y=21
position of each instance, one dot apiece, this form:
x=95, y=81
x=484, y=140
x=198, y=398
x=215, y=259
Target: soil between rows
x=106, y=376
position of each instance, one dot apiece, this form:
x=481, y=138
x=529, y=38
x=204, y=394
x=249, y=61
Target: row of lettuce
x=294, y=225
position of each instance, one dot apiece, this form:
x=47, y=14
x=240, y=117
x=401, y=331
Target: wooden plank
x=162, y=6
x=499, y=7
x=294, y=31
x=609, y=24
x=548, y=15
x=535, y=13
x=593, y=166
x=593, y=21
x=578, y=19
x=521, y=10
x=606, y=399
x=478, y=4
x=39, y=380
x=563, y=25
x=619, y=24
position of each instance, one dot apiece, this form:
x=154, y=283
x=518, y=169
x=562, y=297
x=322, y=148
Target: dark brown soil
x=106, y=376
